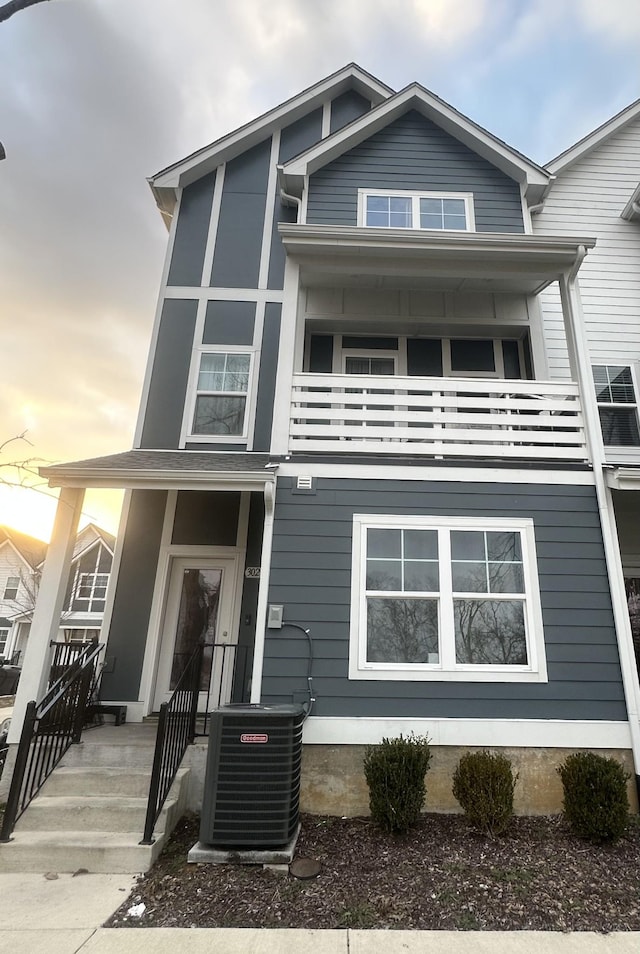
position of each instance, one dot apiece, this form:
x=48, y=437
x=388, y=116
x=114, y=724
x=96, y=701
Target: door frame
x=228, y=603
x=167, y=552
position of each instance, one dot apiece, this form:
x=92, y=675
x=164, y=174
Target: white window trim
x=415, y=197
x=628, y=449
x=93, y=576
x=193, y=393
x=4, y=642
x=444, y=671
x=12, y=588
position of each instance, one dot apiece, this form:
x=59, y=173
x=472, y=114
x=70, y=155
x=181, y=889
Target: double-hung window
x=437, y=211
x=11, y=588
x=445, y=598
x=221, y=394
x=4, y=639
x=617, y=405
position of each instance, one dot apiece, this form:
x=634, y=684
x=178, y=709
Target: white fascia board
x=561, y=251
x=593, y=139
x=207, y=159
x=623, y=478
x=534, y=178
x=160, y=479
x=17, y=552
x=631, y=210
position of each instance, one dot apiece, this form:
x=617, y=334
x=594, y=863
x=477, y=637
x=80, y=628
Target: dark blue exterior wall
x=192, y=228
x=311, y=577
x=346, y=108
x=413, y=153
x=134, y=594
x=236, y=261
x=169, y=376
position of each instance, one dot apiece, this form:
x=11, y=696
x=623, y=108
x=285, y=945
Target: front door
x=632, y=586
x=200, y=607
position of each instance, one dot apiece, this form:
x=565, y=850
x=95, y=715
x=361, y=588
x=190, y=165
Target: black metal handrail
x=50, y=727
x=176, y=730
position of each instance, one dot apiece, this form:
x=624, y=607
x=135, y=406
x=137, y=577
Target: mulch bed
x=441, y=876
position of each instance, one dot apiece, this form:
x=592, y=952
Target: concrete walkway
x=62, y=915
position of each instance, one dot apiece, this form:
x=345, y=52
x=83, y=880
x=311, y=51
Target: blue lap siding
x=414, y=154
x=311, y=577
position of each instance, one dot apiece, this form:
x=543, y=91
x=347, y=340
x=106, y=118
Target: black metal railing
x=50, y=727
x=176, y=730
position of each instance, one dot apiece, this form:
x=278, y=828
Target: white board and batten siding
x=587, y=199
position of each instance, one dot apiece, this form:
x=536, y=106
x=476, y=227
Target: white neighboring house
x=597, y=192
x=21, y=559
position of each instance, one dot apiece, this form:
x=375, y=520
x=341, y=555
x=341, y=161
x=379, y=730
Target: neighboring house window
x=417, y=210
x=445, y=598
x=4, y=637
x=92, y=586
x=222, y=391
x=11, y=588
x=617, y=405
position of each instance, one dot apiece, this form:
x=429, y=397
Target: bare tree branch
x=14, y=6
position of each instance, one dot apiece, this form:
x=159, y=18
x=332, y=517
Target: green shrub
x=483, y=783
x=595, y=796
x=395, y=772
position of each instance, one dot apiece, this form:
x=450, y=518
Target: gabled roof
x=165, y=183
x=89, y=537
x=593, y=139
x=535, y=179
x=30, y=549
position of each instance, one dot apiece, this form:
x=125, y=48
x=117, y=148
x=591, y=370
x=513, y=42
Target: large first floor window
x=221, y=398
x=453, y=598
x=617, y=405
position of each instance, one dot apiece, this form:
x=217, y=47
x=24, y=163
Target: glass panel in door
x=197, y=620
x=632, y=586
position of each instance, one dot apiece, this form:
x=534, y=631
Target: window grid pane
x=415, y=212
x=618, y=411
x=482, y=595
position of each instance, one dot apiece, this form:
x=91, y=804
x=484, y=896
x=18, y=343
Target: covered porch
x=195, y=532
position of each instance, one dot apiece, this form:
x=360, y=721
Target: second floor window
x=11, y=588
x=92, y=586
x=617, y=405
x=222, y=390
x=419, y=210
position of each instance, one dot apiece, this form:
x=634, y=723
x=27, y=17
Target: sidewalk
x=63, y=916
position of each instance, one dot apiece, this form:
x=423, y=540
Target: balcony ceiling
x=400, y=259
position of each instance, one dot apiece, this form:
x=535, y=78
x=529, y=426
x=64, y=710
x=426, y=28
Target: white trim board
x=215, y=293
x=488, y=475
x=520, y=733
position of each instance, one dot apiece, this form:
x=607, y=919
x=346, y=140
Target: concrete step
x=100, y=780
x=65, y=851
x=87, y=813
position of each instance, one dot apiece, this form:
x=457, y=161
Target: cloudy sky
x=96, y=95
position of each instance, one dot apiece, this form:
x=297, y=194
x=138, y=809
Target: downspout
x=286, y=197
x=263, y=591
x=571, y=302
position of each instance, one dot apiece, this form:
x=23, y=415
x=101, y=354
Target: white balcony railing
x=436, y=417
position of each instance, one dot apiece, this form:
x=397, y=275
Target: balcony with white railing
x=437, y=417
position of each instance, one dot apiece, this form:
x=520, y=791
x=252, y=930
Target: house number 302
x=252, y=573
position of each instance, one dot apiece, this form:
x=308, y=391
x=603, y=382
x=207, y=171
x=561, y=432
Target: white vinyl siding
x=587, y=199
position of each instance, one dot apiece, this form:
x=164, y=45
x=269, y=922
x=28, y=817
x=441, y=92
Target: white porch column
x=48, y=609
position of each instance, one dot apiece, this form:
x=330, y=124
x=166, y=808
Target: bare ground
x=441, y=876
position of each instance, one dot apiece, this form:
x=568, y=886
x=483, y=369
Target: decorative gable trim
x=534, y=179
x=593, y=139
x=165, y=183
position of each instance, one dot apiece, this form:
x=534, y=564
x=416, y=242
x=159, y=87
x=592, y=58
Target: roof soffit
x=205, y=160
x=535, y=179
